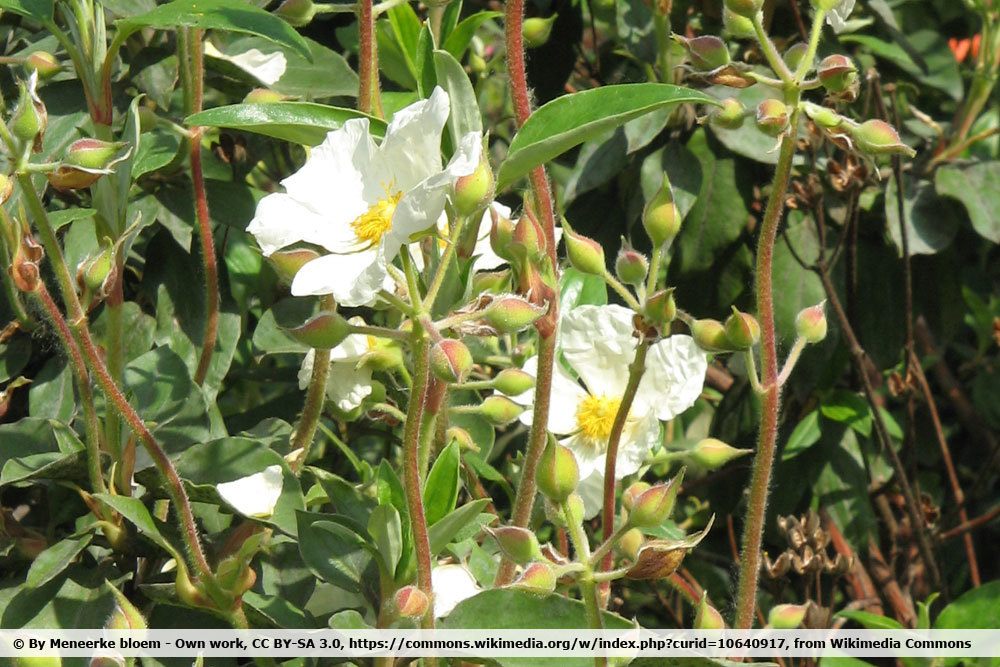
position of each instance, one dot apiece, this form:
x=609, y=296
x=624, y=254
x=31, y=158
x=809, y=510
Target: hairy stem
x=369, y=97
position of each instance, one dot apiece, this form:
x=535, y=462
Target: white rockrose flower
x=267, y=68
x=598, y=346
x=362, y=201
x=451, y=583
x=255, y=495
x=350, y=380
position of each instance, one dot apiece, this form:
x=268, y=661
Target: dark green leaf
x=806, y=434
x=458, y=41
x=333, y=551
x=441, y=486
x=465, y=115
x=40, y=10
x=850, y=409
x=442, y=532
x=137, y=514
x=978, y=188
x=299, y=122
x=55, y=559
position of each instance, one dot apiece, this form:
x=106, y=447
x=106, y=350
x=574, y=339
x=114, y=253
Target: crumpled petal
x=255, y=495
x=674, y=377
x=597, y=342
x=354, y=279
x=566, y=396
x=347, y=384
x=451, y=583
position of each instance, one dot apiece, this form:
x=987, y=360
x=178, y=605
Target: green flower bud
x=655, y=504
x=660, y=217
x=537, y=578
x=631, y=267
x=513, y=382
x=491, y=281
x=477, y=63
x=518, y=544
x=772, y=117
x=499, y=410
x=711, y=453
x=462, y=437
x=745, y=8
x=660, y=308
x=501, y=235
x=536, y=31
x=324, y=331
x=877, y=137
x=263, y=96
x=585, y=254
x=787, y=616
x=474, y=191
x=825, y=117
x=742, y=330
x=558, y=473
x=384, y=357
x=44, y=63
x=286, y=263
x=451, y=360
x=737, y=26
x=95, y=155
x=511, y=313
x=708, y=617
x=529, y=237
x=837, y=73
x=632, y=493
x=124, y=616
x=730, y=115
x=298, y=13
x=411, y=602
x=706, y=52
x=710, y=335
x=810, y=323
x=92, y=274
x=30, y=117
x=794, y=54
x=630, y=543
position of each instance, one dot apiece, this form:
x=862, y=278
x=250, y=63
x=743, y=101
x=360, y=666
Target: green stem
x=807, y=61
x=662, y=28
x=753, y=530
x=653, y=277
x=770, y=51
x=454, y=235
x=588, y=586
x=312, y=410
x=791, y=360
x=623, y=292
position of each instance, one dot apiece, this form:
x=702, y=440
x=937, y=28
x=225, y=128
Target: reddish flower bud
x=706, y=52
x=518, y=544
x=513, y=382
x=632, y=493
x=474, y=191
x=810, y=323
x=710, y=335
x=745, y=8
x=491, y=281
x=44, y=63
x=661, y=309
x=742, y=330
x=772, y=117
x=323, y=331
x=708, y=617
x=297, y=12
x=462, y=437
x=95, y=155
x=837, y=73
x=286, y=263
x=451, y=360
x=877, y=137
x=655, y=504
x=411, y=602
x=585, y=254
x=787, y=616
x=529, y=237
x=558, y=473
x=631, y=267
x=511, y=313
x=124, y=616
x=537, y=578
x=501, y=235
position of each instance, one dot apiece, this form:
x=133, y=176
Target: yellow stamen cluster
x=371, y=226
x=595, y=415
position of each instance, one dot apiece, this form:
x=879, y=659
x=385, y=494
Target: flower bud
x=737, y=26
x=298, y=13
x=711, y=453
x=877, y=137
x=630, y=543
x=124, y=616
x=537, y=578
x=477, y=63
x=44, y=63
x=772, y=117
x=24, y=266
x=825, y=117
x=745, y=8
x=708, y=617
x=36, y=661
x=263, y=96
x=794, y=54
x=512, y=313
x=462, y=437
x=810, y=323
x=491, y=281
x=706, y=52
x=655, y=504
x=631, y=267
x=513, y=382
x=529, y=237
x=585, y=254
x=30, y=117
x=657, y=559
x=730, y=116
x=501, y=235
x=286, y=263
x=383, y=357
x=94, y=154
x=660, y=308
x=93, y=273
x=67, y=179
x=499, y=410
x=837, y=73
x=518, y=544
x=536, y=30
x=632, y=493
x=324, y=331
x=474, y=191
x=558, y=473
x=660, y=217
x=742, y=330
x=787, y=616
x=411, y=602
x=187, y=591
x=710, y=335
x=451, y=360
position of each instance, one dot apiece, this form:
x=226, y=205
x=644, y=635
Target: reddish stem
x=369, y=100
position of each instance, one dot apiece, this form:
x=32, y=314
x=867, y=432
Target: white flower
x=451, y=584
x=350, y=380
x=598, y=345
x=267, y=68
x=362, y=202
x=254, y=495
x=837, y=17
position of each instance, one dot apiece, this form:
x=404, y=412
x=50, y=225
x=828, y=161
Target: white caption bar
x=503, y=643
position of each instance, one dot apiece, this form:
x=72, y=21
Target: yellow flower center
x=372, y=225
x=595, y=416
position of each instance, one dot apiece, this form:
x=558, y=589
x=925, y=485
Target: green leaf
x=325, y=74
x=299, y=122
x=157, y=149
x=579, y=289
x=442, y=532
x=930, y=223
x=465, y=115
x=40, y=10
x=572, y=119
x=336, y=553
x=385, y=528
x=271, y=335
x=870, y=621
x=848, y=408
x=799, y=287
x=942, y=69
x=457, y=42
x=441, y=486
x=424, y=62
x=73, y=599
x=137, y=514
x=976, y=609
x=51, y=562
x=978, y=188
x=231, y=15
x=406, y=29
x=51, y=394
x=60, y=219
x=806, y=434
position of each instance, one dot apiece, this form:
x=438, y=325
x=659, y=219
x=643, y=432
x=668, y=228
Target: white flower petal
x=589, y=455
x=597, y=342
x=267, y=68
x=566, y=396
x=353, y=278
x=591, y=489
x=254, y=495
x=347, y=385
x=282, y=220
x=641, y=435
x=451, y=584
x=837, y=18
x=674, y=378
x=411, y=150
